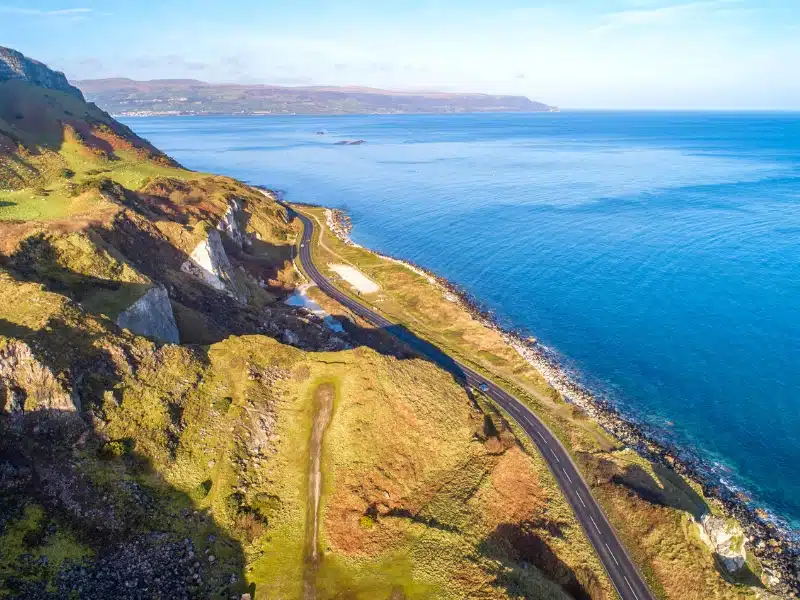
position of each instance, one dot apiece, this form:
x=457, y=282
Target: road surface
x=626, y=578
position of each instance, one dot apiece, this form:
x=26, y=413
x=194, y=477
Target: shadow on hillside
x=63, y=484
x=36, y=260
x=515, y=547
x=205, y=315
x=5, y=203
x=40, y=116
x=667, y=488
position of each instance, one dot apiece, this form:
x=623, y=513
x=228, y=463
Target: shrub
x=249, y=525
x=221, y=405
x=113, y=450
x=366, y=522
x=201, y=491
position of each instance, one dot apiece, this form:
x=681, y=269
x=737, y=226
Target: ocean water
x=658, y=253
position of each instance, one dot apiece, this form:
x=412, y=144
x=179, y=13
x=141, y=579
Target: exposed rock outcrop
x=209, y=262
x=230, y=223
x=151, y=316
x=27, y=385
x=16, y=66
x=726, y=540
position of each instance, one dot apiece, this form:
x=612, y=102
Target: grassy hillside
x=650, y=506
x=132, y=468
x=54, y=148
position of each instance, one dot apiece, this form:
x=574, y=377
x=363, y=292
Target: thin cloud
x=654, y=16
x=37, y=12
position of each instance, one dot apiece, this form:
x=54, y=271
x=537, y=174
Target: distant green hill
x=188, y=96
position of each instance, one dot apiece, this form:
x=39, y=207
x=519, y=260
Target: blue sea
x=657, y=253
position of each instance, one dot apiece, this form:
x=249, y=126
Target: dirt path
x=323, y=409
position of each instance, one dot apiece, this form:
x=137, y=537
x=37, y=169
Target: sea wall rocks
x=209, y=262
x=151, y=316
x=28, y=385
x=725, y=537
x=16, y=66
x=340, y=225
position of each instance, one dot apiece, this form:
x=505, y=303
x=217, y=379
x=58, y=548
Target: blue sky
x=573, y=53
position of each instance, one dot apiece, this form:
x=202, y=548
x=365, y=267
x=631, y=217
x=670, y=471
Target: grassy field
x=659, y=534
x=53, y=147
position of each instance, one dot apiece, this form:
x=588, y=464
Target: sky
x=605, y=54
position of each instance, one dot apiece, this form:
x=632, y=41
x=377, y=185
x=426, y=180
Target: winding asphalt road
x=626, y=578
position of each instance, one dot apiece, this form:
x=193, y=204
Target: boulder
x=725, y=537
x=290, y=337
x=28, y=385
x=151, y=316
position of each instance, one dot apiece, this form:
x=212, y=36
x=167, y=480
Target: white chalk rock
x=726, y=540
x=230, y=224
x=209, y=262
x=151, y=316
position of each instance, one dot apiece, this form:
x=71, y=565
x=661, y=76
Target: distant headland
x=166, y=97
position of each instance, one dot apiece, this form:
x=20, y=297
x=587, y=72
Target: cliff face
x=15, y=66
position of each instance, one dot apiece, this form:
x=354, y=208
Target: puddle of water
x=301, y=299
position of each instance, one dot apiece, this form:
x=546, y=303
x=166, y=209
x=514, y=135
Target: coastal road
x=626, y=578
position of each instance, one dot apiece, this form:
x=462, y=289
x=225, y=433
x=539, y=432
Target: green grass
x=53, y=196
x=52, y=144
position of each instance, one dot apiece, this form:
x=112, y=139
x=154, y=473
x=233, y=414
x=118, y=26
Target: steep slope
x=187, y=96
x=157, y=398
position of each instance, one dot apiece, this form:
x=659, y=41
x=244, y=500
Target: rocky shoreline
x=776, y=547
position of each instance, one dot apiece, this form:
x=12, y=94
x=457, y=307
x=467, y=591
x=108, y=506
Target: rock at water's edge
x=151, y=316
x=726, y=540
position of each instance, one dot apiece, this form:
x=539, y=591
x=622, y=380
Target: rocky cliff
x=16, y=66
x=209, y=263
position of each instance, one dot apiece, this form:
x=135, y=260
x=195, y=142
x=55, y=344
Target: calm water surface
x=659, y=253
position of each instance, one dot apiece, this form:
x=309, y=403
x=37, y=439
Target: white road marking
x=612, y=555
x=580, y=498
x=631, y=587
x=554, y=454
x=595, y=525
x=567, y=474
